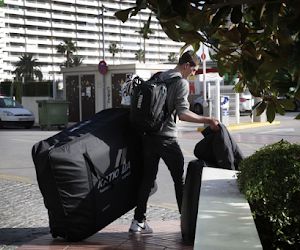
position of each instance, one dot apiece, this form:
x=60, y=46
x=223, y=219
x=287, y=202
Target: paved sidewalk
x=24, y=218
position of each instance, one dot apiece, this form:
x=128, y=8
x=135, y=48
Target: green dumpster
x=53, y=113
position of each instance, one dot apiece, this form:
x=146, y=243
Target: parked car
x=12, y=113
x=246, y=103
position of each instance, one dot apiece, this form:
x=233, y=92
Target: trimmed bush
x=270, y=181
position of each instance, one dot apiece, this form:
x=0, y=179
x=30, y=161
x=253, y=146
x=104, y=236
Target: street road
x=16, y=144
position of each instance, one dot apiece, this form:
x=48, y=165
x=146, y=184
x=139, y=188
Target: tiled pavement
x=166, y=236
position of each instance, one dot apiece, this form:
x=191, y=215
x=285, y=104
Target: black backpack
x=148, y=105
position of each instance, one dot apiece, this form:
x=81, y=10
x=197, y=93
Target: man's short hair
x=189, y=57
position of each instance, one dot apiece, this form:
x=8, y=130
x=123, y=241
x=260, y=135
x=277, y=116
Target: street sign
x=203, y=56
x=102, y=67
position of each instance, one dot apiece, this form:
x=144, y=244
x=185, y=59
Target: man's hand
x=190, y=116
x=214, y=124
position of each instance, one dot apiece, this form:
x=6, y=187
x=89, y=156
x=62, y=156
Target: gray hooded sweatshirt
x=177, y=102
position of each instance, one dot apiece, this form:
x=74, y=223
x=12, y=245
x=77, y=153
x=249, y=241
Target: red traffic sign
x=203, y=56
x=102, y=67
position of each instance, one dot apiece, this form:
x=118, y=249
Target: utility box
x=53, y=113
x=224, y=112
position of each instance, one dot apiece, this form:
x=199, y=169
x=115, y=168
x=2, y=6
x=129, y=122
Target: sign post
x=102, y=68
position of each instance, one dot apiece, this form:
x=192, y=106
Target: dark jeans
x=156, y=147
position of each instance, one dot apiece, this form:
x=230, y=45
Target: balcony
x=67, y=1
x=37, y=23
x=34, y=13
x=11, y=20
x=89, y=3
x=87, y=36
x=14, y=11
x=62, y=25
x=20, y=49
x=63, y=17
x=64, y=34
x=81, y=44
x=40, y=5
x=88, y=28
x=39, y=50
x=61, y=7
x=14, y=30
x=38, y=32
x=88, y=53
x=87, y=10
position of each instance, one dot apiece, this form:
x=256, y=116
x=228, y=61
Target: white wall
x=29, y=103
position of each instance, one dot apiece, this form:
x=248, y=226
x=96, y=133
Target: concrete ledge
x=246, y=125
x=224, y=217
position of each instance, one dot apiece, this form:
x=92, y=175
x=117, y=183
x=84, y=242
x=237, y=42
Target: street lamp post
x=103, y=51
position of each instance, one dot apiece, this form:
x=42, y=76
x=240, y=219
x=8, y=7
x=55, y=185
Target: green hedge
x=38, y=88
x=5, y=88
x=270, y=181
x=27, y=89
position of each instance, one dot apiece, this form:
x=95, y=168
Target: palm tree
x=144, y=33
x=74, y=61
x=67, y=48
x=28, y=68
x=77, y=61
x=113, y=49
x=172, y=57
x=139, y=55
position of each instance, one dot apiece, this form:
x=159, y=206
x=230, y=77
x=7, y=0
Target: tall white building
x=36, y=27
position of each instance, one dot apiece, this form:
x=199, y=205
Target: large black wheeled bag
x=90, y=173
x=190, y=201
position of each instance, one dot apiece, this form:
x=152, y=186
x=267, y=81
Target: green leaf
x=282, y=77
x=249, y=70
x=271, y=14
x=252, y=19
x=196, y=46
x=123, y=14
x=260, y=107
x=243, y=31
x=236, y=14
x=183, y=48
x=222, y=12
x=233, y=35
x=283, y=87
x=297, y=117
x=294, y=56
x=141, y=4
x=287, y=104
x=190, y=36
x=234, y=67
x=180, y=7
x=170, y=29
x=221, y=68
x=280, y=109
x=271, y=111
x=267, y=70
x=249, y=50
x=214, y=41
x=200, y=20
x=268, y=54
x=293, y=27
x=146, y=27
x=184, y=25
